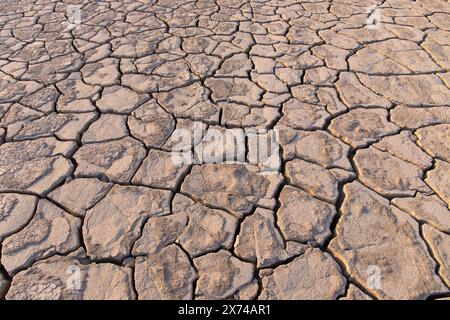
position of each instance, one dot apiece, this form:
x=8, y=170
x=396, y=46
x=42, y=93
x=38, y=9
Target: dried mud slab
x=313, y=275
x=440, y=246
x=435, y=140
x=196, y=228
x=389, y=175
x=39, y=169
x=112, y=226
x=360, y=127
x=373, y=238
x=304, y=218
x=53, y=279
x=318, y=147
x=160, y=170
x=16, y=211
x=116, y=160
x=51, y=231
x=260, y=240
x=221, y=275
x=151, y=273
x=430, y=209
x=234, y=187
x=79, y=195
x=438, y=180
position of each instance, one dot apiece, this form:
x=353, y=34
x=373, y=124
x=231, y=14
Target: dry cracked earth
x=92, y=205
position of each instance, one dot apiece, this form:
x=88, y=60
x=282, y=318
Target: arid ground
x=225, y=149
